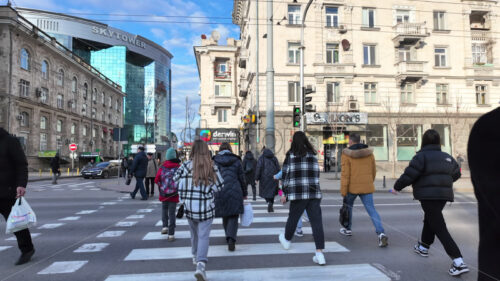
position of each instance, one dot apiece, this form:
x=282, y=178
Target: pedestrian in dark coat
x=483, y=153
x=267, y=167
x=13, y=181
x=54, y=166
x=229, y=201
x=139, y=168
x=431, y=173
x=249, y=167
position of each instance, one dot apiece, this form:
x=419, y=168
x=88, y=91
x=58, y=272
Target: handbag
x=344, y=214
x=180, y=212
x=247, y=216
x=21, y=217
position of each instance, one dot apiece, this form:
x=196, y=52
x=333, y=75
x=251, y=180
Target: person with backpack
x=267, y=167
x=198, y=180
x=229, y=201
x=431, y=173
x=249, y=167
x=169, y=195
x=301, y=188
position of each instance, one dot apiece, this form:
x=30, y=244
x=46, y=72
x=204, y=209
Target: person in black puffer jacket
x=249, y=166
x=229, y=201
x=431, y=173
x=267, y=167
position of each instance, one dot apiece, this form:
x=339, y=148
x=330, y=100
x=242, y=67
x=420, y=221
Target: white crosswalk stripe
x=220, y=233
x=219, y=220
x=63, y=267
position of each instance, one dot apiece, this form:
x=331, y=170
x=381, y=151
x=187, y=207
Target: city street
x=85, y=232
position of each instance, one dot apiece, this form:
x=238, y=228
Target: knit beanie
x=171, y=154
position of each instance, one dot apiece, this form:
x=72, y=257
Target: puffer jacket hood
x=249, y=155
x=226, y=158
x=358, y=151
x=268, y=153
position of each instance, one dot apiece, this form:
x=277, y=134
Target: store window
x=444, y=135
x=408, y=139
x=376, y=137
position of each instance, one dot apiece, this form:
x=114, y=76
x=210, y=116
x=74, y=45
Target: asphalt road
x=86, y=233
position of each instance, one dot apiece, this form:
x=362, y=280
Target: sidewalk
x=37, y=176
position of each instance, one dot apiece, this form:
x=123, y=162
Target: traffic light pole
x=302, y=87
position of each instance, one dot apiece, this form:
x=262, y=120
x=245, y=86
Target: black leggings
x=434, y=225
x=313, y=208
x=152, y=181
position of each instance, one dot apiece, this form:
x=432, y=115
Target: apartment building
x=50, y=98
x=388, y=70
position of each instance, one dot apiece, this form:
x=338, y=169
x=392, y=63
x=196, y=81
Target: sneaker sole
x=460, y=272
x=383, y=242
x=346, y=234
x=315, y=260
x=199, y=276
x=420, y=253
x=299, y=235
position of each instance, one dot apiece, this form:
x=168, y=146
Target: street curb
x=47, y=179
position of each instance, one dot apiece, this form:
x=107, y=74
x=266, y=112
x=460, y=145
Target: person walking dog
x=198, y=180
x=229, y=201
x=431, y=173
x=13, y=181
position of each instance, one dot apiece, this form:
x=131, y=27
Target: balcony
x=412, y=71
x=481, y=36
x=409, y=33
x=339, y=68
x=222, y=75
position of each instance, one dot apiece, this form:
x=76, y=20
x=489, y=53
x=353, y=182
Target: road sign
x=73, y=155
x=73, y=147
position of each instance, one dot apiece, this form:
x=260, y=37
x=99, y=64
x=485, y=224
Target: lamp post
x=302, y=88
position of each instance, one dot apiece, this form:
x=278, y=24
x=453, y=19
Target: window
x=94, y=112
x=43, y=142
x=440, y=57
x=60, y=77
x=116, y=105
x=24, y=88
x=369, y=17
x=369, y=54
x=103, y=98
x=25, y=122
x=293, y=14
x=94, y=95
x=93, y=132
x=43, y=123
x=333, y=92
x=376, y=137
x=222, y=67
x=222, y=115
x=60, y=101
x=402, y=16
x=444, y=135
x=408, y=138
x=293, y=92
x=332, y=16
x=74, y=84
x=103, y=116
x=438, y=20
x=332, y=53
x=59, y=125
x=293, y=53
x=84, y=109
x=223, y=89
x=404, y=53
x=73, y=128
x=25, y=59
x=481, y=92
x=58, y=143
x=370, y=92
x=441, y=93
x=44, y=95
x=84, y=131
x=45, y=69
x=407, y=95
x=85, y=91
x=110, y=102
x=479, y=55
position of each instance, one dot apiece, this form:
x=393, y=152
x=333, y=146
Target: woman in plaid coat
x=301, y=188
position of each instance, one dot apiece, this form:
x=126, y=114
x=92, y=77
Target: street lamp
x=302, y=88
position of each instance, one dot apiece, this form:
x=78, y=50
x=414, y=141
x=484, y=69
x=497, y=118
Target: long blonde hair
x=203, y=169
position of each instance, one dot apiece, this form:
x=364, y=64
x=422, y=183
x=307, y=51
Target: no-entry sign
x=73, y=147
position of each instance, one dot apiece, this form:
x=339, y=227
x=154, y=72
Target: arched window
x=43, y=122
x=94, y=95
x=103, y=98
x=60, y=101
x=59, y=126
x=60, y=77
x=85, y=91
x=45, y=69
x=25, y=59
x=25, y=122
x=74, y=84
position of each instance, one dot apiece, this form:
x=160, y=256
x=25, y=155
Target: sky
x=174, y=24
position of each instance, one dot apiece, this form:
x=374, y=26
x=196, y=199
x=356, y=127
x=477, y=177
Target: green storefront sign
x=47, y=153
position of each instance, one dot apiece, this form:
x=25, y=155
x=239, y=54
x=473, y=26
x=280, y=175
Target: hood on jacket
x=358, y=151
x=174, y=163
x=268, y=153
x=431, y=147
x=249, y=155
x=226, y=158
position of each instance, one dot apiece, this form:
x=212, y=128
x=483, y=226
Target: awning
x=47, y=153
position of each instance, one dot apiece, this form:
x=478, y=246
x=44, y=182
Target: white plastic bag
x=247, y=216
x=21, y=216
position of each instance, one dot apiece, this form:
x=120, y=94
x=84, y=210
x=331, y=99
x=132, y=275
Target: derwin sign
x=218, y=136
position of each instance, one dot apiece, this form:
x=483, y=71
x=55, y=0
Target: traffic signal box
x=296, y=116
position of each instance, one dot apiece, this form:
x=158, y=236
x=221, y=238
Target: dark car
x=101, y=170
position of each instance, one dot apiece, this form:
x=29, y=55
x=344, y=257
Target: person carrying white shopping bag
x=13, y=180
x=247, y=216
x=21, y=217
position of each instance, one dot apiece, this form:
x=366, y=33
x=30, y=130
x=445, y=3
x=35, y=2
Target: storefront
x=215, y=137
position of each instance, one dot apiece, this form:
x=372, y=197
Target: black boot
x=25, y=257
x=270, y=207
x=254, y=197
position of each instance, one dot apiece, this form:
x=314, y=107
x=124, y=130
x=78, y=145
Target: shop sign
x=47, y=153
x=327, y=118
x=218, y=136
x=89, y=154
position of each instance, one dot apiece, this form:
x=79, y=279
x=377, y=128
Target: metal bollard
x=40, y=173
x=68, y=171
x=77, y=171
x=50, y=173
x=383, y=183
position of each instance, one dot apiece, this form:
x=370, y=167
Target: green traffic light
x=297, y=110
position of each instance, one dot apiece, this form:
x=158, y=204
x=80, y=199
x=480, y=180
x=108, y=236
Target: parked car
x=101, y=170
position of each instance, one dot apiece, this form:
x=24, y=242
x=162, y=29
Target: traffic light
x=296, y=116
x=307, y=91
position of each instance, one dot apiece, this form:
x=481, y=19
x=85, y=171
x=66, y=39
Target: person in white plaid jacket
x=198, y=179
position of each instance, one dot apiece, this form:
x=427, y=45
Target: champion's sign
x=324, y=118
x=117, y=35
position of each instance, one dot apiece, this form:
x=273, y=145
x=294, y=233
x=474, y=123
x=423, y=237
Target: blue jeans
x=299, y=224
x=367, y=200
x=139, y=186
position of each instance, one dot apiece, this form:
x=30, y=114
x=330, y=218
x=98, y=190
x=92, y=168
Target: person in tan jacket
x=358, y=174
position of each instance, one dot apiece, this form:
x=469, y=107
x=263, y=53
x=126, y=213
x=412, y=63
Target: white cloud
x=224, y=33
x=159, y=33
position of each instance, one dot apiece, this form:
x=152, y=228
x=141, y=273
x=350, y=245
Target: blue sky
x=146, y=18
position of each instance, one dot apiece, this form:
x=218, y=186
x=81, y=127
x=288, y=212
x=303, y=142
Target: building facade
x=388, y=70
x=50, y=98
x=220, y=104
x=141, y=67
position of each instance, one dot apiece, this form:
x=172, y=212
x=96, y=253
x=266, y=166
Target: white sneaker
x=345, y=231
x=382, y=240
x=200, y=273
x=194, y=260
x=171, y=238
x=285, y=243
x=164, y=230
x=319, y=258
